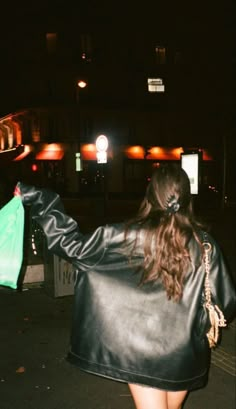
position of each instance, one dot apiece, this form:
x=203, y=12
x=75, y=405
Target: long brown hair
x=167, y=219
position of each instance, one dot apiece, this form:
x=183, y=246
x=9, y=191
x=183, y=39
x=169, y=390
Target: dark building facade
x=153, y=79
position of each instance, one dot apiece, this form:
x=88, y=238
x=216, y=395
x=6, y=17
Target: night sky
x=206, y=19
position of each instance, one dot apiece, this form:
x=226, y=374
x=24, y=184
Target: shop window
x=156, y=85
x=51, y=39
x=160, y=53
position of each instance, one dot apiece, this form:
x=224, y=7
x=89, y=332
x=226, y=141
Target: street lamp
x=80, y=86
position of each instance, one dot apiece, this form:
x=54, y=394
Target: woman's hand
x=17, y=191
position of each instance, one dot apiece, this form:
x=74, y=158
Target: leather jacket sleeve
x=62, y=232
x=222, y=285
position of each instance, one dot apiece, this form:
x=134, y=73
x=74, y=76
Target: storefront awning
x=49, y=155
x=50, y=152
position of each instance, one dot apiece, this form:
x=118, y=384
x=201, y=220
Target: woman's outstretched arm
x=62, y=232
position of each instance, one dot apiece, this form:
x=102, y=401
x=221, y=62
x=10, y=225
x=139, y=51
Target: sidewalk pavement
x=35, y=331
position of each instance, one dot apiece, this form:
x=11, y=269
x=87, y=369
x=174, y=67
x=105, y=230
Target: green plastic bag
x=11, y=241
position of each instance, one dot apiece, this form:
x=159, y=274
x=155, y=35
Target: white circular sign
x=101, y=143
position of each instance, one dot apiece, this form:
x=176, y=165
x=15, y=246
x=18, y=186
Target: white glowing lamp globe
x=101, y=143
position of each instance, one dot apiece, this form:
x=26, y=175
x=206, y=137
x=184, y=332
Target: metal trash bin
x=59, y=276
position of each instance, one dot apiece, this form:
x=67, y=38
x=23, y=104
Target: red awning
x=49, y=155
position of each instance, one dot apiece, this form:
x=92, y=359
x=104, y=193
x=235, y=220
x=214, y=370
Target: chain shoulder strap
x=216, y=316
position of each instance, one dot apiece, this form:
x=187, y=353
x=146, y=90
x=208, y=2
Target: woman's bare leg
x=148, y=398
x=175, y=399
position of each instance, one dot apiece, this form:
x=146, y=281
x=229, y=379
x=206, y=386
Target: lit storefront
x=35, y=150
x=129, y=167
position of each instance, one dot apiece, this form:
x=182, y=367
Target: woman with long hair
x=139, y=313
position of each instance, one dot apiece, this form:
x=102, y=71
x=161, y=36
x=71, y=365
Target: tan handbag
x=215, y=314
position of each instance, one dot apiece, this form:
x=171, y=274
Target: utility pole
x=223, y=198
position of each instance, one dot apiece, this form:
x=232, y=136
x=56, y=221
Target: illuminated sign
x=101, y=146
x=101, y=143
x=78, y=162
x=101, y=157
x=190, y=163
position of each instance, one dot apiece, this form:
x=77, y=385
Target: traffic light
x=34, y=167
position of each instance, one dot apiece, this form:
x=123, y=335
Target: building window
x=160, y=52
x=2, y=143
x=178, y=57
x=35, y=130
x=51, y=39
x=155, y=85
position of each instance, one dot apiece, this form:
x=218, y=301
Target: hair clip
x=172, y=205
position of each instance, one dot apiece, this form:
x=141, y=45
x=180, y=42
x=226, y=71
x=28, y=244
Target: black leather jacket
x=121, y=330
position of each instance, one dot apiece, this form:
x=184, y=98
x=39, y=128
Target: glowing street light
x=82, y=84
